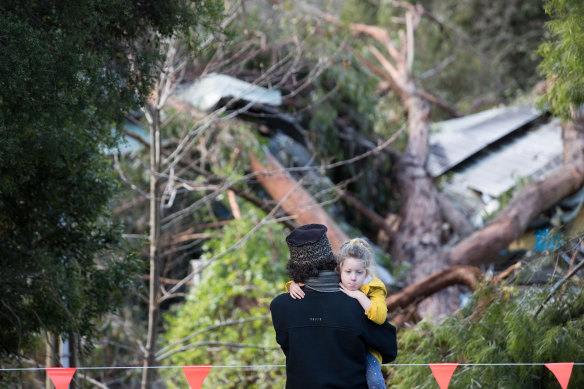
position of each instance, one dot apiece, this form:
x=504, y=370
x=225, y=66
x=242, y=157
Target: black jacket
x=324, y=337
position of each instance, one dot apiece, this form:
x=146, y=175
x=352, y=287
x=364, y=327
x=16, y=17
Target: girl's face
x=353, y=273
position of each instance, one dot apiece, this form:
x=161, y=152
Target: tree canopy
x=69, y=72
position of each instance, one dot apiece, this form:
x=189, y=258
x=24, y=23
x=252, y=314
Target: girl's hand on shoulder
x=295, y=291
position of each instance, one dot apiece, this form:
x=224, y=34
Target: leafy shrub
x=225, y=320
x=499, y=326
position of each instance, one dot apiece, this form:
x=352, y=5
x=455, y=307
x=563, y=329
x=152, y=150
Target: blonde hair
x=358, y=249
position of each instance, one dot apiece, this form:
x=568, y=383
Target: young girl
x=355, y=265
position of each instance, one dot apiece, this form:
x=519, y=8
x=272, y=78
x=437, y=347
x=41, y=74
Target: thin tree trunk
x=73, y=356
x=153, y=306
x=51, y=355
x=170, y=76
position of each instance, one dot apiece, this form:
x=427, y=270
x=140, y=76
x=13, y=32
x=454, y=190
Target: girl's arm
x=377, y=311
x=294, y=289
x=357, y=295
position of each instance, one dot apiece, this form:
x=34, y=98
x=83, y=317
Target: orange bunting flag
x=196, y=375
x=61, y=376
x=562, y=371
x=443, y=373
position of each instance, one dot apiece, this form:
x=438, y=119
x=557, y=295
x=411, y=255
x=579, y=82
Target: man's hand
x=295, y=291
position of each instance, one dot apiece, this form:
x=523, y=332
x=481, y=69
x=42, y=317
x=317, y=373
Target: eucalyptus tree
x=69, y=72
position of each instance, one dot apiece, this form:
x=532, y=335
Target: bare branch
x=381, y=35
x=215, y=344
x=165, y=280
x=409, y=41
x=389, y=68
x=371, y=215
x=267, y=219
x=558, y=284
x=161, y=353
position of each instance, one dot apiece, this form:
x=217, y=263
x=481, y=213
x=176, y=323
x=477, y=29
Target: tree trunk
x=417, y=240
x=73, y=356
x=418, y=237
x=51, y=355
x=153, y=306
x=573, y=137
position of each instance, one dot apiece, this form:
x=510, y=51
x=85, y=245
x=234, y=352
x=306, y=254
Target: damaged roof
x=207, y=91
x=490, y=151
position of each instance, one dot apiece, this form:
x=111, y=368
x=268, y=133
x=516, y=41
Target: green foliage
x=361, y=11
x=355, y=92
x=482, y=51
x=563, y=57
x=470, y=53
x=499, y=326
x=69, y=70
x=348, y=110
x=235, y=142
x=52, y=225
x=226, y=319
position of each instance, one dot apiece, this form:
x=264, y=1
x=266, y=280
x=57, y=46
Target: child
x=355, y=265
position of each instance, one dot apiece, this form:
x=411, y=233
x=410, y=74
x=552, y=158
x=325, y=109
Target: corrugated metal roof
x=458, y=139
x=535, y=154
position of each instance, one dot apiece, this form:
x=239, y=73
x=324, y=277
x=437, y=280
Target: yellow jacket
x=377, y=312
x=375, y=290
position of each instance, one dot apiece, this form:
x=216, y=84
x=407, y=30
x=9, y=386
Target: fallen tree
x=300, y=205
x=418, y=241
x=295, y=200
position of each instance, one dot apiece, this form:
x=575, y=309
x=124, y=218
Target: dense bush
x=499, y=326
x=225, y=320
